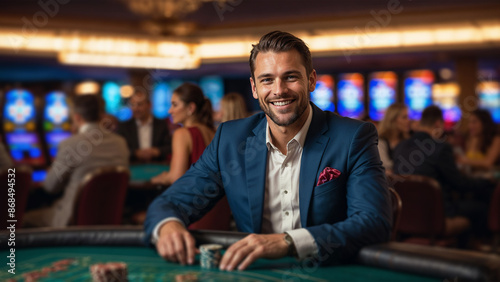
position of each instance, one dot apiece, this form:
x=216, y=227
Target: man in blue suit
x=304, y=182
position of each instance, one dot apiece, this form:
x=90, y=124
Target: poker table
x=37, y=249
x=140, y=174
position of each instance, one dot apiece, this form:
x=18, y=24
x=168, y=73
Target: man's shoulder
x=244, y=124
x=336, y=123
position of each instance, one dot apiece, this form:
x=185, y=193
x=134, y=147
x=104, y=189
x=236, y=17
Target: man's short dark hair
x=88, y=106
x=431, y=115
x=138, y=92
x=279, y=41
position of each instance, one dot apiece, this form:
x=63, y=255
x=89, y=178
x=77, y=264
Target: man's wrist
x=292, y=250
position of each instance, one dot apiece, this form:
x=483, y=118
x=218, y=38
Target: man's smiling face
x=282, y=86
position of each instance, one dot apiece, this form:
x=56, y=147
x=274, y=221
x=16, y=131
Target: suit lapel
x=312, y=153
x=255, y=163
x=135, y=134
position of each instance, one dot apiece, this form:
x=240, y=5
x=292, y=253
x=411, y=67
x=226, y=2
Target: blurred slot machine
x=489, y=98
x=322, y=96
x=19, y=124
x=115, y=98
x=350, y=91
x=382, y=93
x=418, y=92
x=445, y=96
x=56, y=122
x=161, y=100
x=213, y=88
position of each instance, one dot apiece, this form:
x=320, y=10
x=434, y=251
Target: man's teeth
x=282, y=103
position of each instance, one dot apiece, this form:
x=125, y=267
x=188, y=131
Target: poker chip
x=210, y=255
x=109, y=272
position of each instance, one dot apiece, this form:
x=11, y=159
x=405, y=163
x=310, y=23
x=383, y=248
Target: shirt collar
x=86, y=126
x=300, y=137
x=147, y=123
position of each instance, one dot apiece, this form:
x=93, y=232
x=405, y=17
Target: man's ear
x=312, y=80
x=254, y=88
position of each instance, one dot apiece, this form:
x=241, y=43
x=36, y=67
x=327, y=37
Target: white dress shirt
x=281, y=201
x=145, y=133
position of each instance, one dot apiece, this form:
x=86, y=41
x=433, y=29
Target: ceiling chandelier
x=170, y=9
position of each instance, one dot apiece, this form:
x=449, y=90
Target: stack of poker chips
x=108, y=272
x=210, y=256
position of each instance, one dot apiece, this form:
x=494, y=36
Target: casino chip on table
x=109, y=272
x=210, y=256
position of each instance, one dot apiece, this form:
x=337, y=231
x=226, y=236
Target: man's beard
x=299, y=110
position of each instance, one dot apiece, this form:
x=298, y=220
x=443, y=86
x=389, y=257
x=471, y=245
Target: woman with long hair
x=232, y=106
x=193, y=111
x=482, y=141
x=394, y=128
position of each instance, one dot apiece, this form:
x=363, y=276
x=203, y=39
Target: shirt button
x=286, y=213
x=286, y=191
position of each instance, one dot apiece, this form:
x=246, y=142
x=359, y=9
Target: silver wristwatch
x=292, y=251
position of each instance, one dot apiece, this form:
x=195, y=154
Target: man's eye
x=291, y=77
x=265, y=80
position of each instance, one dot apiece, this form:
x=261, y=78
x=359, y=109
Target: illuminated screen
x=161, y=99
x=418, y=92
x=23, y=146
x=322, y=96
x=382, y=93
x=56, y=120
x=350, y=94
x=445, y=96
x=53, y=140
x=115, y=104
x=489, y=98
x=20, y=127
x=213, y=88
x=19, y=107
x=38, y=176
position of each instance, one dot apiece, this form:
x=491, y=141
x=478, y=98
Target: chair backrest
x=16, y=183
x=397, y=206
x=102, y=197
x=423, y=212
x=494, y=217
x=218, y=218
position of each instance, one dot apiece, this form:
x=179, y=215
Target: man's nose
x=280, y=87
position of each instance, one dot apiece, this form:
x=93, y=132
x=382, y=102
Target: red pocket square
x=328, y=174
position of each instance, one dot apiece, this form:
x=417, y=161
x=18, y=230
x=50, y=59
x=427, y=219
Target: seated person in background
x=394, y=128
x=5, y=160
x=193, y=111
x=482, y=142
x=148, y=138
x=427, y=153
x=91, y=148
x=232, y=106
x=291, y=169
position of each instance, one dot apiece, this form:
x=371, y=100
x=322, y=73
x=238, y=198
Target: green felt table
x=145, y=265
x=142, y=173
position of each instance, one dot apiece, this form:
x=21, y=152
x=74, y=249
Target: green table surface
x=145, y=265
x=144, y=172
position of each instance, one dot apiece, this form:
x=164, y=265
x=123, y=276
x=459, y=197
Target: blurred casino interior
x=368, y=54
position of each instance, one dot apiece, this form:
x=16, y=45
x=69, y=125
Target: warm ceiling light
x=166, y=8
x=126, y=91
x=87, y=87
x=107, y=60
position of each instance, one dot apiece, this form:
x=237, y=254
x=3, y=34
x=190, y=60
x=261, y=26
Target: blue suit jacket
x=342, y=215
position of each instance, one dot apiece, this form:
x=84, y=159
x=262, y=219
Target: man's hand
x=244, y=252
x=176, y=244
x=147, y=154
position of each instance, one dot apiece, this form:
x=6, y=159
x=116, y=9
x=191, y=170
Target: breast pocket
x=328, y=203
